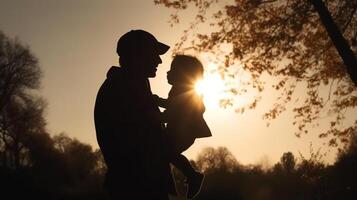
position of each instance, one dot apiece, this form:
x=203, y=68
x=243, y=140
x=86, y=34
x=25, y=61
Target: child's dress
x=184, y=117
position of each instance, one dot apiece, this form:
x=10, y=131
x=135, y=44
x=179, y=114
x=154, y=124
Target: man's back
x=129, y=135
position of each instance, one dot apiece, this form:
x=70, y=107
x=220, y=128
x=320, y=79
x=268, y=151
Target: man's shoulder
x=115, y=79
x=113, y=85
x=115, y=74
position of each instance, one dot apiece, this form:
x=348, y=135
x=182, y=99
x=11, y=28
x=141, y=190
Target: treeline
x=291, y=178
x=60, y=167
x=56, y=167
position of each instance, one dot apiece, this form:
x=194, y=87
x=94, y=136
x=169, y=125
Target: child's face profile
x=184, y=70
x=174, y=75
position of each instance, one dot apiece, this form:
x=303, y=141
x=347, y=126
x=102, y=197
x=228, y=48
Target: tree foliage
x=286, y=40
x=80, y=159
x=21, y=112
x=291, y=178
x=287, y=162
x=216, y=159
x=19, y=70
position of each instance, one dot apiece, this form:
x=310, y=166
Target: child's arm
x=160, y=101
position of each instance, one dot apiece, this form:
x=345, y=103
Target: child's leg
x=194, y=178
x=183, y=164
x=177, y=146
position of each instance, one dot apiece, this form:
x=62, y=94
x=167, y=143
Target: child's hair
x=189, y=65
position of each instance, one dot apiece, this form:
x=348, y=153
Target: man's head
x=140, y=52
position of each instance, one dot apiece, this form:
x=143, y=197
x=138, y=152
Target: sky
x=75, y=43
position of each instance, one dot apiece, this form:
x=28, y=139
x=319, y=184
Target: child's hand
x=159, y=101
x=156, y=98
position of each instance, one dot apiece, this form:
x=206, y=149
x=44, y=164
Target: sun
x=212, y=88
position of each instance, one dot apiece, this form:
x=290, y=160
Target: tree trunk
x=16, y=155
x=337, y=38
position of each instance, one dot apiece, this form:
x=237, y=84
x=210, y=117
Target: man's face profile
x=145, y=63
x=150, y=63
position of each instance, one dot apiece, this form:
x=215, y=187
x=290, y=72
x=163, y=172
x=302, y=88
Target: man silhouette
x=127, y=122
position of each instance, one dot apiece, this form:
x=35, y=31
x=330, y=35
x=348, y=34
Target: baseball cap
x=136, y=40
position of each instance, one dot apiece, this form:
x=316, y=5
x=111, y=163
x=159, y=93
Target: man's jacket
x=129, y=134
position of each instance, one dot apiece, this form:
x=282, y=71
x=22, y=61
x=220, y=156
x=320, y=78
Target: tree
x=19, y=70
x=222, y=174
x=285, y=169
x=343, y=173
x=288, y=162
x=81, y=161
x=216, y=159
x=62, y=142
x=21, y=112
x=100, y=166
x=293, y=41
x=337, y=38
x=22, y=121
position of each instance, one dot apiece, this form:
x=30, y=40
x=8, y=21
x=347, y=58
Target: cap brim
x=162, y=48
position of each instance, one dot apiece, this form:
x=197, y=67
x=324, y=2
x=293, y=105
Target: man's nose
x=159, y=60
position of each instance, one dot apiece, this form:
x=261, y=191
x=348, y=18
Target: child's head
x=184, y=70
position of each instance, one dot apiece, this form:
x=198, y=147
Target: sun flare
x=211, y=87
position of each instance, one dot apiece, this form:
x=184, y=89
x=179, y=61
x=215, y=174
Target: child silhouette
x=184, y=117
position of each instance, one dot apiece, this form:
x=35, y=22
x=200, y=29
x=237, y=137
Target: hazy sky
x=75, y=42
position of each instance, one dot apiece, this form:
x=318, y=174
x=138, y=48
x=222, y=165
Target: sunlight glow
x=212, y=88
